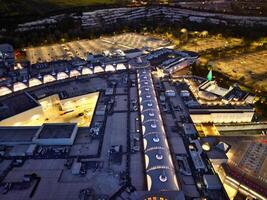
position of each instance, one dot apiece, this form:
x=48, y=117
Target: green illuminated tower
x=209, y=76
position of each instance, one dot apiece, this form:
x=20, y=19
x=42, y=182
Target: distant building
x=7, y=58
x=7, y=54
x=170, y=60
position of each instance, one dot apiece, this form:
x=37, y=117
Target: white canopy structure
x=19, y=86
x=34, y=81
x=160, y=173
x=86, y=70
x=98, y=69
x=4, y=91
x=74, y=73
x=62, y=75
x=121, y=66
x=49, y=78
x=110, y=68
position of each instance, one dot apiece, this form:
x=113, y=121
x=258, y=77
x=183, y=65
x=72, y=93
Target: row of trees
x=70, y=29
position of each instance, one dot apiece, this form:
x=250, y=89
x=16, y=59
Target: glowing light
x=19, y=86
x=109, y=68
x=35, y=117
x=62, y=75
x=34, y=81
x=86, y=70
x=74, y=73
x=49, y=78
x=98, y=69
x=206, y=146
x=4, y=91
x=120, y=66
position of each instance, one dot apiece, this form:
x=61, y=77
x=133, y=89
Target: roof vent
x=156, y=139
x=148, y=96
x=146, y=83
x=154, y=125
x=144, y=72
x=149, y=104
x=146, y=89
x=163, y=178
x=151, y=114
x=159, y=156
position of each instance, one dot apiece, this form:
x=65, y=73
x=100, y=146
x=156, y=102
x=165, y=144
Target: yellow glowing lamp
x=206, y=146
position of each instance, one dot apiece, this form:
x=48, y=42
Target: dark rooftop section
x=55, y=131
x=191, y=53
x=16, y=104
x=6, y=47
x=216, y=108
x=99, y=56
x=131, y=51
x=216, y=153
x=17, y=134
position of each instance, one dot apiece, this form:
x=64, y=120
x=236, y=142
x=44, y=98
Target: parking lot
x=249, y=68
x=81, y=48
x=210, y=42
